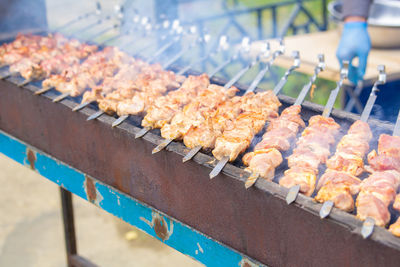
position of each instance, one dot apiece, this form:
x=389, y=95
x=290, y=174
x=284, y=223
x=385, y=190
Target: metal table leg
x=73, y=259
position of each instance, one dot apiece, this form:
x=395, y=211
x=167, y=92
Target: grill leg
x=69, y=227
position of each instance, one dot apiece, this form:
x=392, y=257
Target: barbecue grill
x=108, y=159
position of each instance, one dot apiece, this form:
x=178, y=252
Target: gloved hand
x=355, y=42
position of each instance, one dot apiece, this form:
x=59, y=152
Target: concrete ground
x=31, y=232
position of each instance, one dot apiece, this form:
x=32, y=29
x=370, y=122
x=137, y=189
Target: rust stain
x=160, y=227
x=247, y=263
x=31, y=158
x=90, y=189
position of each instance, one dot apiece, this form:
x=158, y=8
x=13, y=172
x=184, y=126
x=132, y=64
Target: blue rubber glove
x=355, y=42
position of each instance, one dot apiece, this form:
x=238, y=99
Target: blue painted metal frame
x=177, y=235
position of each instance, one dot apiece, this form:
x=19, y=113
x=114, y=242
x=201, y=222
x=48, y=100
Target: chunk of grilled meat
x=280, y=131
x=376, y=193
x=196, y=112
x=313, y=148
x=165, y=107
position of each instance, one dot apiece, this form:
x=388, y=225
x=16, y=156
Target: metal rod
x=354, y=99
x=162, y=49
x=7, y=75
x=161, y=146
x=102, y=32
x=251, y=180
x=68, y=223
x=334, y=93
x=320, y=67
x=82, y=105
x=61, y=97
x=372, y=97
x=84, y=16
x=326, y=209
x=142, y=132
x=90, y=26
x=95, y=115
x=24, y=83
x=292, y=194
x=218, y=168
x=267, y=67
x=367, y=227
x=283, y=80
x=396, y=130
x=43, y=90
x=191, y=153
x=120, y=120
x=328, y=205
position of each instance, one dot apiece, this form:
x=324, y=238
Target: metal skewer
x=223, y=41
x=103, y=32
x=165, y=66
x=252, y=179
x=23, y=83
x=267, y=67
x=61, y=97
x=158, y=53
x=294, y=190
x=176, y=39
x=196, y=149
x=221, y=46
x=283, y=80
x=245, y=48
x=7, y=75
x=328, y=205
x=221, y=164
x=43, y=90
x=81, y=17
x=88, y=27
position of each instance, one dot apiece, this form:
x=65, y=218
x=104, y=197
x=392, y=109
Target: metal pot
x=383, y=22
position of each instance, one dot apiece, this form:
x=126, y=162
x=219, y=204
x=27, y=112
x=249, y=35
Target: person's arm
x=356, y=8
x=355, y=41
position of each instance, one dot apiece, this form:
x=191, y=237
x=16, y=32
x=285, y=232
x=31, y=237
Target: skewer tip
x=161, y=146
x=367, y=227
x=191, y=153
x=326, y=209
x=120, y=120
x=218, y=168
x=292, y=194
x=142, y=132
x=251, y=180
x=95, y=115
